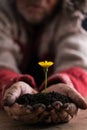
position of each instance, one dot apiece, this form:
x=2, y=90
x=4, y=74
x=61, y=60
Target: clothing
x=61, y=40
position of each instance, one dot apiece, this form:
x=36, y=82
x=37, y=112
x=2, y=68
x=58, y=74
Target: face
x=34, y=11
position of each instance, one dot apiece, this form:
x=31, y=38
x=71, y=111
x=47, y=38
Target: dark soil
x=44, y=98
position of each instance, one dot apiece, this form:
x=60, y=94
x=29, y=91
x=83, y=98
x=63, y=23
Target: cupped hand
x=26, y=114
x=17, y=111
x=15, y=91
x=59, y=112
x=70, y=92
x=56, y=112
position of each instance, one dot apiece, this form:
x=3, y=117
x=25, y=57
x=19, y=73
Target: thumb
x=17, y=89
x=12, y=94
x=69, y=92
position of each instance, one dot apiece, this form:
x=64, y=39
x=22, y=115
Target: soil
x=44, y=98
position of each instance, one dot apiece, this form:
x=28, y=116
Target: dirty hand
x=17, y=89
x=54, y=113
x=59, y=112
x=15, y=110
x=26, y=113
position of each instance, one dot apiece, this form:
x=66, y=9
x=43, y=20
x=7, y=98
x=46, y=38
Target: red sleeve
x=8, y=77
x=76, y=77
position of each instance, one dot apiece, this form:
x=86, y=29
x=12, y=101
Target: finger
x=38, y=109
x=63, y=116
x=17, y=89
x=50, y=115
x=27, y=114
x=70, y=108
x=11, y=95
x=69, y=92
x=59, y=116
x=54, y=116
x=76, y=98
x=34, y=115
x=57, y=105
x=17, y=110
x=42, y=112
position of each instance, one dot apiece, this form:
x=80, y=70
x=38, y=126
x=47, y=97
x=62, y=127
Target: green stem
x=45, y=70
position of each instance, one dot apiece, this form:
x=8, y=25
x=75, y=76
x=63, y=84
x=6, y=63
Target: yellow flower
x=45, y=64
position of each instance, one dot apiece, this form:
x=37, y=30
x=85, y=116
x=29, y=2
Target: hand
x=28, y=114
x=69, y=92
x=16, y=90
x=59, y=112
x=15, y=110
x=55, y=112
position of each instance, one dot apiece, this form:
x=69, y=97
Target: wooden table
x=79, y=122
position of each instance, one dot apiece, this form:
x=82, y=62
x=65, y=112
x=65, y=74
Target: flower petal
x=45, y=64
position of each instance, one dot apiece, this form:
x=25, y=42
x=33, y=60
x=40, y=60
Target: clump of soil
x=44, y=98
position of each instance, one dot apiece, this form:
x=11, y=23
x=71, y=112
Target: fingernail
x=57, y=105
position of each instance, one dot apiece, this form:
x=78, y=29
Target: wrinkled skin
x=54, y=113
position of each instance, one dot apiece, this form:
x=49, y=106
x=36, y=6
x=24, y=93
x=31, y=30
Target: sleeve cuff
x=57, y=78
